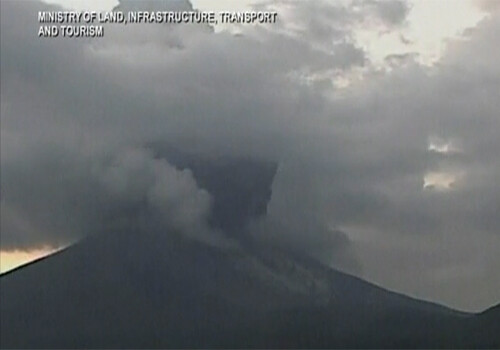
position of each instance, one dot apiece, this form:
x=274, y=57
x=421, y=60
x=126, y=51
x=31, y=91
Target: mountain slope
x=145, y=290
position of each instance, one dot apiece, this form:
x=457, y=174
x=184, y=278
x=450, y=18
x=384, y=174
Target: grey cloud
x=393, y=12
x=488, y=5
x=395, y=60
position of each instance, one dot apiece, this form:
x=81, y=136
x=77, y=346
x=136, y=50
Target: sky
x=382, y=118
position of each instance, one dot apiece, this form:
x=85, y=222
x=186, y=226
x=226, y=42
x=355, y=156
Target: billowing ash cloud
x=81, y=121
x=73, y=195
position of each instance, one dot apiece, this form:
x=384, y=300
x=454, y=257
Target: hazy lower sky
x=382, y=116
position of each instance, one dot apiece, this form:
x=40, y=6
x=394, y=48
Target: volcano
x=140, y=289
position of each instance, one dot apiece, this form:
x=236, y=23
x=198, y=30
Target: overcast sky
x=383, y=118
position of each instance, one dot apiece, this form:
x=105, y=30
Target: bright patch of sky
x=429, y=25
x=442, y=146
x=440, y=181
x=12, y=259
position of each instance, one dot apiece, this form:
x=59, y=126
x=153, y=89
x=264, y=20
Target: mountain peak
x=150, y=290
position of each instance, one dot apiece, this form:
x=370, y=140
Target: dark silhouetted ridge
x=149, y=290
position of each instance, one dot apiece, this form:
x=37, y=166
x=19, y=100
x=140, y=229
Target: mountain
x=486, y=328
x=141, y=289
x=144, y=290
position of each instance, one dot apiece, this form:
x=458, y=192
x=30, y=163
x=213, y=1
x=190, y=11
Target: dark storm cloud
x=78, y=116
